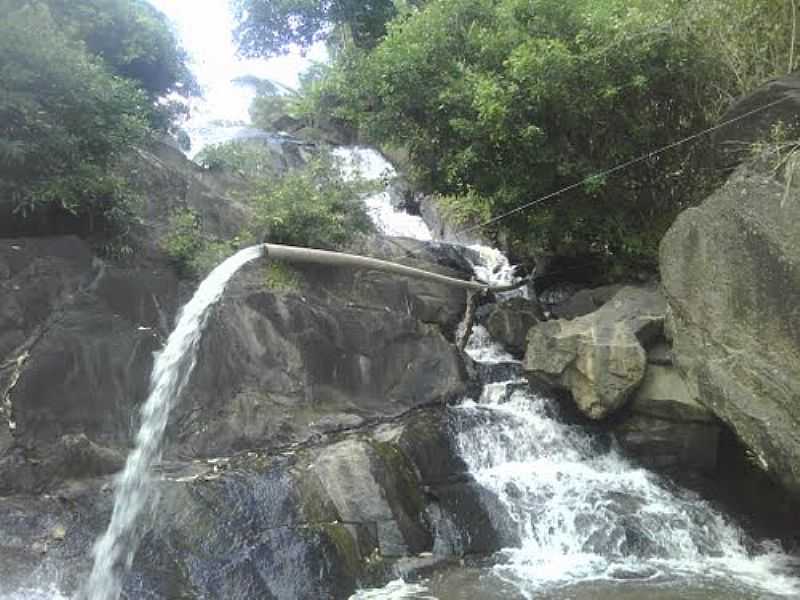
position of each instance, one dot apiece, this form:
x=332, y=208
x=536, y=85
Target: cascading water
x=580, y=512
x=133, y=490
x=370, y=165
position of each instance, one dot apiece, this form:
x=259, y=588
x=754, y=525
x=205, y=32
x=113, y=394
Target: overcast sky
x=206, y=26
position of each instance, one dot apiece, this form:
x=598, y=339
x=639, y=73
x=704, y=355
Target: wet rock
x=76, y=343
x=271, y=366
x=310, y=522
x=660, y=354
x=583, y=302
x=666, y=428
x=731, y=272
x=510, y=321
x=599, y=357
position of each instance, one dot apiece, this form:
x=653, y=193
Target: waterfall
x=579, y=511
x=133, y=490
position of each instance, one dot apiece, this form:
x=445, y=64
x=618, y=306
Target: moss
x=280, y=277
x=315, y=505
x=400, y=471
x=346, y=547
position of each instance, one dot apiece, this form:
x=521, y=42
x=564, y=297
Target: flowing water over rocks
x=579, y=520
x=171, y=372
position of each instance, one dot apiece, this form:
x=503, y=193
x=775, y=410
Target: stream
x=584, y=521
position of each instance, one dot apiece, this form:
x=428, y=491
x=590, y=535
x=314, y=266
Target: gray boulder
x=77, y=337
x=752, y=123
x=666, y=427
x=314, y=521
x=584, y=302
x=599, y=358
x=731, y=272
x=510, y=321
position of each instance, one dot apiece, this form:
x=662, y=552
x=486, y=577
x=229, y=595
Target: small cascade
x=579, y=512
x=371, y=166
x=133, y=491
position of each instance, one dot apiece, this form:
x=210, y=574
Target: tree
x=271, y=27
x=133, y=38
x=500, y=102
x=65, y=116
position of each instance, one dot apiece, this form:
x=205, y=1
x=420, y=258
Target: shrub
x=500, y=102
x=194, y=252
x=313, y=206
x=250, y=158
x=63, y=119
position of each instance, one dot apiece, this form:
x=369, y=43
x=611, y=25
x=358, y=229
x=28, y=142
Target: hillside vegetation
x=498, y=103
x=83, y=81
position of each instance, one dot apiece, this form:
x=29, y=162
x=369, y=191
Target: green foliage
x=63, y=119
x=194, y=252
x=133, y=38
x=280, y=277
x=467, y=209
x=136, y=42
x=250, y=158
x=311, y=207
x=80, y=83
x=266, y=109
x=270, y=27
x=500, y=102
x=754, y=40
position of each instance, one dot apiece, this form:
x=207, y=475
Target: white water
x=368, y=164
x=133, y=491
x=395, y=590
x=581, y=511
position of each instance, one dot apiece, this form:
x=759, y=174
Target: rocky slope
x=312, y=432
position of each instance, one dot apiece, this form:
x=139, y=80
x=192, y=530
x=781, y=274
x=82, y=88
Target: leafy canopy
x=63, y=116
x=499, y=102
x=312, y=206
x=270, y=27
x=80, y=83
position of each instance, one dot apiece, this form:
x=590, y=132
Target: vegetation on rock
x=501, y=102
x=312, y=206
x=81, y=80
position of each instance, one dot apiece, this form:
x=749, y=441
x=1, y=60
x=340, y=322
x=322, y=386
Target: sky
x=206, y=26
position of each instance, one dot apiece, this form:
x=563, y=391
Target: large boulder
x=510, y=321
x=78, y=334
x=599, y=358
x=304, y=522
x=276, y=367
x=665, y=427
x=752, y=120
x=731, y=272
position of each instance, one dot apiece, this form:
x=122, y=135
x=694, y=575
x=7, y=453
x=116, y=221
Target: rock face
x=731, y=272
x=342, y=348
x=599, y=358
x=310, y=521
x=584, y=302
x=781, y=98
x=77, y=336
x=665, y=427
x=311, y=450
x=509, y=323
